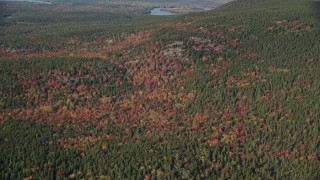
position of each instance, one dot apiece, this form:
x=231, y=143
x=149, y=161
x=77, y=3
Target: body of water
x=31, y=1
x=159, y=12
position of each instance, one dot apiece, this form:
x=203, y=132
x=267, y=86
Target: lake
x=31, y=1
x=159, y=12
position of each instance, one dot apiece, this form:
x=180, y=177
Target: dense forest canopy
x=109, y=92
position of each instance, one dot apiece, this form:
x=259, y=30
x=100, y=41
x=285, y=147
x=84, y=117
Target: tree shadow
x=316, y=7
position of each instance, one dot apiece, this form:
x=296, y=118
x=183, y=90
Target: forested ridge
x=232, y=93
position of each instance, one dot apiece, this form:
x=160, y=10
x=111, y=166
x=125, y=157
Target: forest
x=231, y=93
